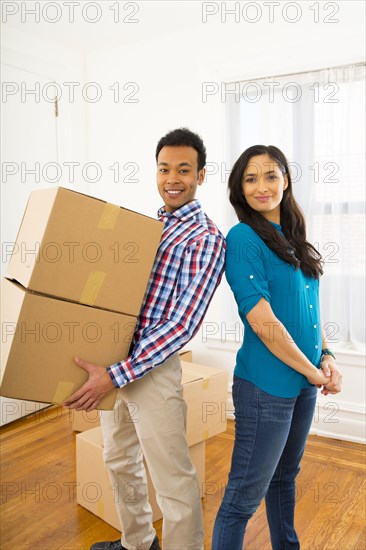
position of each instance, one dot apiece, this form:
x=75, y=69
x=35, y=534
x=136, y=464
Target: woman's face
x=263, y=186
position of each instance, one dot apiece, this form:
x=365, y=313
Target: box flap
x=94, y=436
x=105, y=202
x=193, y=371
x=31, y=230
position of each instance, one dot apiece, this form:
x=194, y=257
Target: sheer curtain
x=317, y=119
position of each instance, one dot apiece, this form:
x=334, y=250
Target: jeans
x=270, y=438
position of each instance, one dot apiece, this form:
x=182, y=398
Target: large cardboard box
x=94, y=489
x=83, y=249
x=40, y=337
x=205, y=390
x=84, y=420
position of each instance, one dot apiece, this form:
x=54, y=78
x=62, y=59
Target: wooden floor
x=39, y=510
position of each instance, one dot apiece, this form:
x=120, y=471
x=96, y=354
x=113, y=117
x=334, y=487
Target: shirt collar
x=183, y=213
x=276, y=225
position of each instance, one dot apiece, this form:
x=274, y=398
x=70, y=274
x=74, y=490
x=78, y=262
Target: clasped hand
x=330, y=369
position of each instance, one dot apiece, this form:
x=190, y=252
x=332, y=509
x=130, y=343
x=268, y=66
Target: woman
x=274, y=275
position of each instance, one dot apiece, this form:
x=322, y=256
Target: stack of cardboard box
x=75, y=283
x=94, y=490
x=205, y=392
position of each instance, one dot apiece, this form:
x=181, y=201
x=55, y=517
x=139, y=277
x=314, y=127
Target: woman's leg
x=281, y=495
x=262, y=425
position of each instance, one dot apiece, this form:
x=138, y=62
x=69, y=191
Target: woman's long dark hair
x=294, y=248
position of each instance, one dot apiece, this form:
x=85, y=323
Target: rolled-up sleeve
x=245, y=270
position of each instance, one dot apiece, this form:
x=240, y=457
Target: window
x=317, y=120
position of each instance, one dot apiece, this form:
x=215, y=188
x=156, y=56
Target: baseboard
x=334, y=419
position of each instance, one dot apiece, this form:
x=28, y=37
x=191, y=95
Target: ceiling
x=70, y=23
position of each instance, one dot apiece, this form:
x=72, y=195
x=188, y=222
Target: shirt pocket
x=284, y=279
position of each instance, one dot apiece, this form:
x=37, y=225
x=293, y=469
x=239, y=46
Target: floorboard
x=39, y=509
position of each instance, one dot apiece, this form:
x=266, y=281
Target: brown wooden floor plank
x=39, y=510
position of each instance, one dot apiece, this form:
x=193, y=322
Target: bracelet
x=327, y=351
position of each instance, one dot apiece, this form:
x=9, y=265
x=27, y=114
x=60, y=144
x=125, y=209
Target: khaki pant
x=149, y=417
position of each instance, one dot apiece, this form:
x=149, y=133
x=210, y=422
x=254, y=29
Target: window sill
x=345, y=355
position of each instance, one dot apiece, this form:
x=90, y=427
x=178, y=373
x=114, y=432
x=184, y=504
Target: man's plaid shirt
x=188, y=267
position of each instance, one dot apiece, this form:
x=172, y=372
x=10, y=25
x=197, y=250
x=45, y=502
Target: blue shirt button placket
x=315, y=326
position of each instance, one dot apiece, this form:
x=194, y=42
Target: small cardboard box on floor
x=205, y=392
x=83, y=249
x=94, y=489
x=186, y=355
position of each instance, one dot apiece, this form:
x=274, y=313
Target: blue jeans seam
x=280, y=499
x=226, y=518
x=253, y=441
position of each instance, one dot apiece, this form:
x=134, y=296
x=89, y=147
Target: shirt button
x=310, y=306
x=314, y=326
x=307, y=286
x=251, y=276
x=316, y=347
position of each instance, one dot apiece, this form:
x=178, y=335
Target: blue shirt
x=253, y=272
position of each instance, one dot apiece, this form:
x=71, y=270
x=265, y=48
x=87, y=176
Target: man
x=187, y=269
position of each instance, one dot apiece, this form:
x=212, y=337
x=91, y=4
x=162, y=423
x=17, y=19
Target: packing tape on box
x=205, y=383
x=92, y=287
x=100, y=509
x=109, y=216
x=63, y=391
x=205, y=435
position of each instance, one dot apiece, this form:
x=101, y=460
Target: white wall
x=168, y=70
x=59, y=63
x=32, y=134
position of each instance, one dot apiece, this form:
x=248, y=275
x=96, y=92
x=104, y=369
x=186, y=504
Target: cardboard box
x=94, y=489
x=83, y=249
x=205, y=390
x=40, y=337
x=186, y=356
x=83, y=420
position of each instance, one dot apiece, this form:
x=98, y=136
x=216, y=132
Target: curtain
x=317, y=119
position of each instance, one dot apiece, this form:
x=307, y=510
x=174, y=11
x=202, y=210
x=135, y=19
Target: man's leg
x=123, y=459
x=161, y=416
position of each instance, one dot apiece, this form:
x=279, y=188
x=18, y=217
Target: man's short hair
x=184, y=138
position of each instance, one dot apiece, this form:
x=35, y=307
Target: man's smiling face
x=178, y=176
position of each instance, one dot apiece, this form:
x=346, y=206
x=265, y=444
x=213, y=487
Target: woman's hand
x=319, y=378
x=334, y=385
